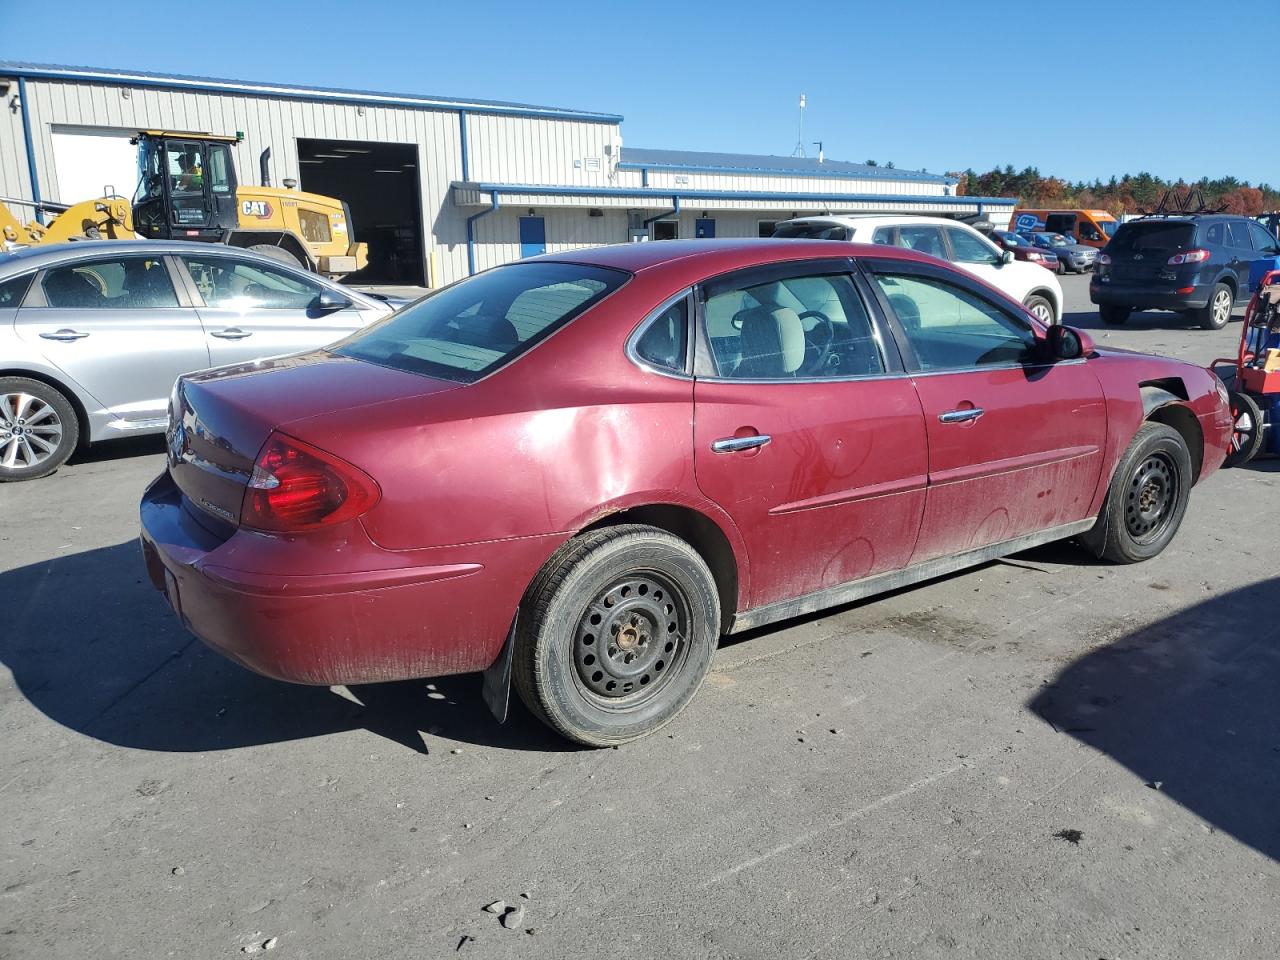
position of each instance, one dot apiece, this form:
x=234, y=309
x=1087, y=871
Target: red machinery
x=1255, y=392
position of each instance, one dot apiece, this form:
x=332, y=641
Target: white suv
x=1030, y=284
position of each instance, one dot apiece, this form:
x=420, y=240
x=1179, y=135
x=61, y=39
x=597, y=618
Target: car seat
x=66, y=288
x=773, y=344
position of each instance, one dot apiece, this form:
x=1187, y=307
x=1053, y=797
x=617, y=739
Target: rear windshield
x=473, y=327
x=1153, y=237
x=812, y=231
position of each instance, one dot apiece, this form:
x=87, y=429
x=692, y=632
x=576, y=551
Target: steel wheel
x=631, y=639
x=1153, y=492
x=30, y=431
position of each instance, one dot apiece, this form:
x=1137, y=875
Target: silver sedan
x=93, y=334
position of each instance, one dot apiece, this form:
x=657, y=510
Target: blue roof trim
x=641, y=193
x=690, y=161
x=138, y=78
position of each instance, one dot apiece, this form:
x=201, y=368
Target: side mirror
x=330, y=301
x=1068, y=343
x=1007, y=256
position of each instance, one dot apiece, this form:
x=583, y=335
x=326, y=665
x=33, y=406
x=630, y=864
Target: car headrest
x=772, y=341
x=66, y=288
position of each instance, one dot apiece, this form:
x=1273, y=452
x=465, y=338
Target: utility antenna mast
x=799, y=150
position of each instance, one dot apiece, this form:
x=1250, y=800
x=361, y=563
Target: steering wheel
x=823, y=348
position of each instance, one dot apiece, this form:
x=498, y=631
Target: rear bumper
x=1147, y=297
x=381, y=615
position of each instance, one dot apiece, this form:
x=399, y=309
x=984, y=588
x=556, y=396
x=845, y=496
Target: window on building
x=665, y=229
x=766, y=227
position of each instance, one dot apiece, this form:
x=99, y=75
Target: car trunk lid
x=220, y=419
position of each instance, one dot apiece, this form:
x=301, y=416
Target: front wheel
x=39, y=429
x=1041, y=309
x=1246, y=430
x=1147, y=498
x=615, y=634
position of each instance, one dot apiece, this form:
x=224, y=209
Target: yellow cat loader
x=188, y=190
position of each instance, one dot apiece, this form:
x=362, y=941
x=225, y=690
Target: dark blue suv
x=1195, y=264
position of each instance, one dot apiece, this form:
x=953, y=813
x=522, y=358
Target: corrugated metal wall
x=511, y=149
x=763, y=183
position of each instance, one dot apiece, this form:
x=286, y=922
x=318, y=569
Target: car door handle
x=64, y=335
x=232, y=333
x=736, y=444
x=961, y=416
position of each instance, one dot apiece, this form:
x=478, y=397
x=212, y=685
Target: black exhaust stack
x=264, y=167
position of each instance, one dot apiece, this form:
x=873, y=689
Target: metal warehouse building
x=437, y=187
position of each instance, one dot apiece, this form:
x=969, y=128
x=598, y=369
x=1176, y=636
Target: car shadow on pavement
x=1189, y=705
x=95, y=648
x=1145, y=320
x=119, y=449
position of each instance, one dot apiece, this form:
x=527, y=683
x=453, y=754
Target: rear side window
x=478, y=325
x=1216, y=233
x=812, y=231
x=883, y=235
x=12, y=291
x=1153, y=237
x=129, y=283
x=922, y=239
x=1238, y=230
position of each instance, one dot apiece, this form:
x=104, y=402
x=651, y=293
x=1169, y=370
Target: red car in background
x=1024, y=249
x=582, y=469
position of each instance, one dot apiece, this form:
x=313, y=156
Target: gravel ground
x=1044, y=757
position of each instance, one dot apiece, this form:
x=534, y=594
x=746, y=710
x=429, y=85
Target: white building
x=438, y=187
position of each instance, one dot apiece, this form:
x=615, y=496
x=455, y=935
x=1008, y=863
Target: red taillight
x=1190, y=256
x=296, y=486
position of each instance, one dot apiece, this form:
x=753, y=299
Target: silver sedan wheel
x=1221, y=308
x=30, y=431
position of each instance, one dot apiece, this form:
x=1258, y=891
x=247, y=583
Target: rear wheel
x=616, y=634
x=279, y=254
x=1113, y=314
x=39, y=429
x=1040, y=308
x=1246, y=432
x=1217, y=312
x=1147, y=498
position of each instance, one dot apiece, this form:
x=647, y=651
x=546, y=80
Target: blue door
x=533, y=236
x=704, y=228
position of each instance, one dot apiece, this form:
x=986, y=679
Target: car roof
x=876, y=220
x=703, y=258
x=44, y=254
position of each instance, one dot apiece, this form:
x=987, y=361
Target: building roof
x=698, y=161
x=140, y=78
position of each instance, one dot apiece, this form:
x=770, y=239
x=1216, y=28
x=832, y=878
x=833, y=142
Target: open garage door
x=379, y=183
x=90, y=160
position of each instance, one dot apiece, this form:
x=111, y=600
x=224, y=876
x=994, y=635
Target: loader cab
x=186, y=186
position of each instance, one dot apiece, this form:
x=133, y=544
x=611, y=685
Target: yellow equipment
x=188, y=190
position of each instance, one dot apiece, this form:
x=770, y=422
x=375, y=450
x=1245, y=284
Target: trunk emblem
x=1137, y=256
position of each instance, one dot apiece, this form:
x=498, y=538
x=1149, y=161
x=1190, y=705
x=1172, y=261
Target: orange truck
x=1091, y=227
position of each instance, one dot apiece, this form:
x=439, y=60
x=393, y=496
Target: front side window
x=922, y=238
x=125, y=283
x=951, y=328
x=185, y=167
x=150, y=172
x=665, y=341
x=811, y=327
x=1263, y=241
x=236, y=285
x=477, y=325
x=970, y=249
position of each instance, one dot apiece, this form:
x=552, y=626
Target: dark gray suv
x=1195, y=264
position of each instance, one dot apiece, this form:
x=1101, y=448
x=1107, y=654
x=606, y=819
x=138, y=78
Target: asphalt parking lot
x=1043, y=757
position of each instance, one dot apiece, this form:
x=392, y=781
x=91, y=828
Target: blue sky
x=1079, y=90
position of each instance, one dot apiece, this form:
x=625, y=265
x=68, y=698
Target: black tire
x=1040, y=308
x=646, y=588
x=1216, y=314
x=24, y=438
x=1060, y=269
x=1246, y=434
x=1147, y=498
x=1113, y=314
x=279, y=254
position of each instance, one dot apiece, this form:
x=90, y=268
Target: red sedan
x=581, y=470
